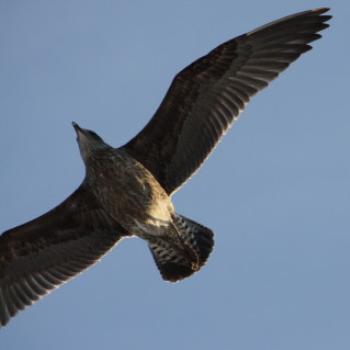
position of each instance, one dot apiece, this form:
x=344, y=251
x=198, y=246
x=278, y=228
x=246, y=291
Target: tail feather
x=196, y=236
x=176, y=263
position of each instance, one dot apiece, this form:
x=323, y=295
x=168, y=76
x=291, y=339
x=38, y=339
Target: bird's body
x=127, y=191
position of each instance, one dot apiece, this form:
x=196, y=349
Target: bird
x=127, y=191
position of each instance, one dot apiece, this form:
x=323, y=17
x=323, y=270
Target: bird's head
x=89, y=142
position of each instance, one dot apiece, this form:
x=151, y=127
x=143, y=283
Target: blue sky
x=276, y=191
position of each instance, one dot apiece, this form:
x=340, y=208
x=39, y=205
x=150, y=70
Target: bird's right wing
x=206, y=97
x=42, y=254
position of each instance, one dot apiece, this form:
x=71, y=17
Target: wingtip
x=321, y=10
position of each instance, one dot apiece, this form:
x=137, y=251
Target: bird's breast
x=130, y=193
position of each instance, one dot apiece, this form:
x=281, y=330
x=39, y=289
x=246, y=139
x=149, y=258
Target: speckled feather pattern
x=127, y=191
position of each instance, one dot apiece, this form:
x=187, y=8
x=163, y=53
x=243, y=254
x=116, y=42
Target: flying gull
x=127, y=190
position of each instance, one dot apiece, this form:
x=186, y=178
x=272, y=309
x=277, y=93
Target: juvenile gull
x=127, y=191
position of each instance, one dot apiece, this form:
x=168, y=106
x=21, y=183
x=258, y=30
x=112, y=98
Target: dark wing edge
x=206, y=97
x=39, y=256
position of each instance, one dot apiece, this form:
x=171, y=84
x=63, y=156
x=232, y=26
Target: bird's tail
x=177, y=262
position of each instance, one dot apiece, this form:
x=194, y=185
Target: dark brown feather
x=40, y=255
x=207, y=96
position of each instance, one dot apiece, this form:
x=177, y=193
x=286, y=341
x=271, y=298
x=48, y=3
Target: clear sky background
x=276, y=191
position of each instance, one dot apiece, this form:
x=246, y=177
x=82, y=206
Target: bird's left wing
x=42, y=254
x=206, y=97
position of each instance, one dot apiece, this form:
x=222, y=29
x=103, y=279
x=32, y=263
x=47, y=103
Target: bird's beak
x=77, y=128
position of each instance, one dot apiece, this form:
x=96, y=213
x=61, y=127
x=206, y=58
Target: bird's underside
x=127, y=191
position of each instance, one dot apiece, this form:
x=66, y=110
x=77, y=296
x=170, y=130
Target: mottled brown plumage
x=127, y=190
